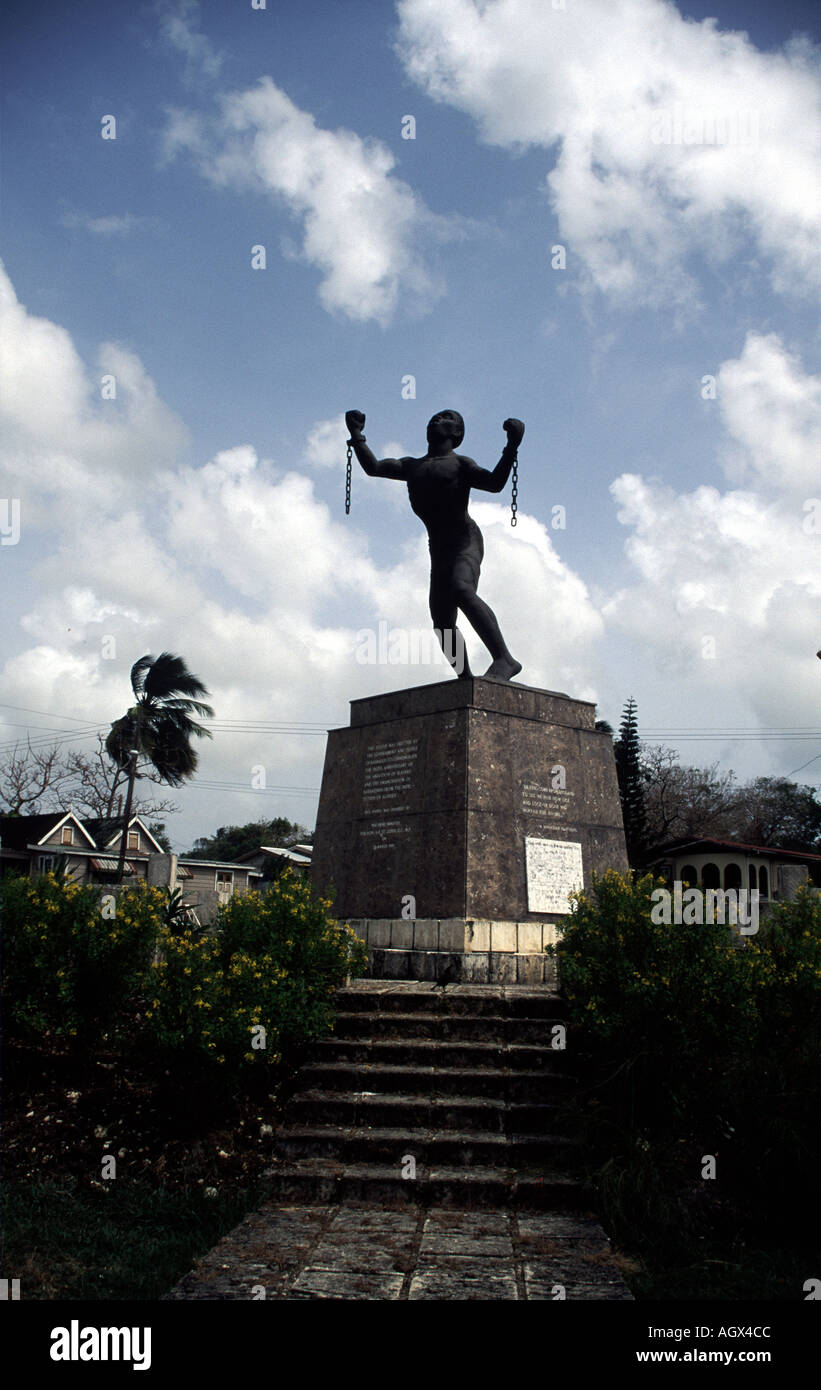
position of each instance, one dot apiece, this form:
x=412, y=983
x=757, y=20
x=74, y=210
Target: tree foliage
x=631, y=785
x=705, y=803
x=232, y=841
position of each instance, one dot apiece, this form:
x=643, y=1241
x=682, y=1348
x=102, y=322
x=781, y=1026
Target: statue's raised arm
x=374, y=467
x=494, y=479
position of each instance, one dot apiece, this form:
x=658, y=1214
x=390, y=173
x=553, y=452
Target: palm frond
x=170, y=676
x=138, y=671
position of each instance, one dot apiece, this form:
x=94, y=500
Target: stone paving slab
x=353, y=1251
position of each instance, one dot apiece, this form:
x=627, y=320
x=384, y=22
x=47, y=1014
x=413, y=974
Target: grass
x=127, y=1240
x=69, y=1233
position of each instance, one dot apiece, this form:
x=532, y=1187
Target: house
x=705, y=863
x=90, y=846
x=272, y=859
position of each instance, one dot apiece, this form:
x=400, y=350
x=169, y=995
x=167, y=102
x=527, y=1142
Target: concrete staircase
x=435, y=1096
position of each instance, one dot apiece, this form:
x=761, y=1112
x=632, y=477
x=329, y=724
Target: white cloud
x=361, y=225
x=115, y=224
x=59, y=438
x=671, y=137
x=179, y=27
x=772, y=411
x=728, y=593
x=325, y=445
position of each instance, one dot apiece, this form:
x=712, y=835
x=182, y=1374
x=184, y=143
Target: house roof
x=16, y=832
x=679, y=847
x=107, y=828
x=282, y=853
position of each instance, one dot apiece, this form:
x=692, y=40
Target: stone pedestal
x=469, y=808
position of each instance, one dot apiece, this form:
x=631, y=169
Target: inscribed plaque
x=554, y=869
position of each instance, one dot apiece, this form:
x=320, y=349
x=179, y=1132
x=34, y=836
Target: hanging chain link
x=514, y=505
x=348, y=481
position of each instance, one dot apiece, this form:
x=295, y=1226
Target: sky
x=225, y=224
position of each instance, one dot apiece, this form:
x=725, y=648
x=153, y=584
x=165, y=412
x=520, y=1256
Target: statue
x=439, y=490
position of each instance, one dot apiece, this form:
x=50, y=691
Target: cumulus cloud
x=727, y=597
x=670, y=137
x=325, y=445
x=59, y=436
x=361, y=225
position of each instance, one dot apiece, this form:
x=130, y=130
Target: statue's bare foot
x=504, y=668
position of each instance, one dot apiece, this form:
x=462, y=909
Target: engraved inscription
x=554, y=869
x=382, y=834
x=388, y=778
x=547, y=802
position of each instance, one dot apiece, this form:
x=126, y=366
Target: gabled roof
x=107, y=829
x=16, y=832
x=679, y=847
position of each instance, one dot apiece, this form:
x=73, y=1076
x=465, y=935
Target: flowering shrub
x=272, y=964
x=73, y=963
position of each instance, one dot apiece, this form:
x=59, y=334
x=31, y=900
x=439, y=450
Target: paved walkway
x=354, y=1251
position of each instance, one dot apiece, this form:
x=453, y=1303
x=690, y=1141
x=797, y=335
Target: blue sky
x=674, y=153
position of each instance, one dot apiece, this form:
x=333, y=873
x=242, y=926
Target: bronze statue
x=439, y=490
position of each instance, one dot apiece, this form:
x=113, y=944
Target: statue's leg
x=443, y=613
x=482, y=619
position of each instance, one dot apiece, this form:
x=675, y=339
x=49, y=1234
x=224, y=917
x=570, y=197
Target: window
x=133, y=839
x=689, y=876
x=763, y=882
x=67, y=835
x=732, y=876
x=753, y=881
x=45, y=862
x=225, y=882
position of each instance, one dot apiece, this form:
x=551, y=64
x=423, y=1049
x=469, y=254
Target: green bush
x=273, y=961
x=688, y=1042
x=69, y=971
x=670, y=1006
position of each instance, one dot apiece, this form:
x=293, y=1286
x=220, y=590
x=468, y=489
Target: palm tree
x=158, y=727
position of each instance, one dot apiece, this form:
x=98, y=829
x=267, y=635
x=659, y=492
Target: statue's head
x=447, y=424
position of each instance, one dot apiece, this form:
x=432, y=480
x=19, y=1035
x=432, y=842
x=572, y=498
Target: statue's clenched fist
x=355, y=421
x=514, y=429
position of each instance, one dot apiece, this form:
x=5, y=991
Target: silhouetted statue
x=439, y=490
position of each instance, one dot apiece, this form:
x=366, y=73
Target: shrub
x=68, y=970
x=273, y=961
x=669, y=1004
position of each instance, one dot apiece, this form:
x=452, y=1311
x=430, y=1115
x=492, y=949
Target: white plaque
x=554, y=869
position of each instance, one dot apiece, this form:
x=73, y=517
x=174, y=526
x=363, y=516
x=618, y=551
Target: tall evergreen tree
x=631, y=785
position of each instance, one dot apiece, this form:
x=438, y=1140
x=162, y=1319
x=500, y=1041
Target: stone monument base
x=457, y=950
x=454, y=821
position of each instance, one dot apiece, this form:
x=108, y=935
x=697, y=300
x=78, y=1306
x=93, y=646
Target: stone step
x=328, y=1181
x=505, y=1084
x=434, y=1149
x=486, y=1114
x=424, y=1052
x=443, y=1027
x=407, y=996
